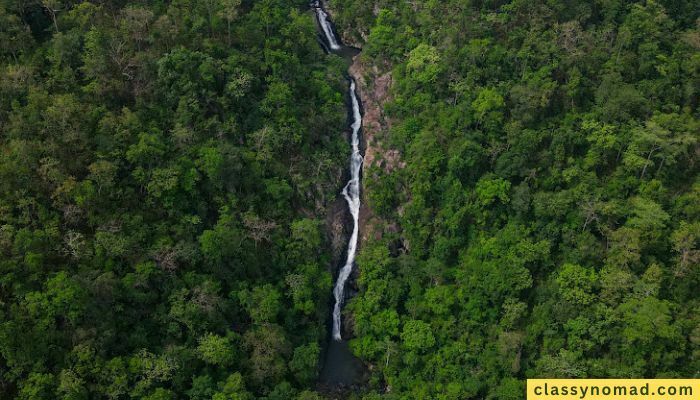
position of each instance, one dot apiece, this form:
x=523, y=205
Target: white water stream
x=351, y=191
x=326, y=26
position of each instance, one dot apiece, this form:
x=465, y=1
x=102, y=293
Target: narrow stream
x=324, y=23
x=351, y=191
x=341, y=368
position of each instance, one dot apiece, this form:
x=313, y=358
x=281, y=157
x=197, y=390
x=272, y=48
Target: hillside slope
x=545, y=223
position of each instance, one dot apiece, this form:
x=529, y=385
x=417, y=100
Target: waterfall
x=351, y=192
x=326, y=26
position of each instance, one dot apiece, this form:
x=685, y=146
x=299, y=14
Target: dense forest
x=548, y=207
x=167, y=170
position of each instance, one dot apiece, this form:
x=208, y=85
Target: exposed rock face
x=373, y=88
x=374, y=94
x=337, y=222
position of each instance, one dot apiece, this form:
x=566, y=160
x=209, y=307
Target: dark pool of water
x=341, y=367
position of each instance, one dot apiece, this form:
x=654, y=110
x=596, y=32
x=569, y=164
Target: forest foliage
x=166, y=167
x=548, y=208
x=165, y=170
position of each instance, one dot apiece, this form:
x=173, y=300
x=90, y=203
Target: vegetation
x=164, y=171
x=166, y=168
x=549, y=203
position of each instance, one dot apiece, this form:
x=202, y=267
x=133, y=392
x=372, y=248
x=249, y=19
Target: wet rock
x=374, y=88
x=338, y=230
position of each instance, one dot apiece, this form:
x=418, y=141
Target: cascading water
x=351, y=191
x=326, y=26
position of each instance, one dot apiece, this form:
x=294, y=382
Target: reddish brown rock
x=374, y=89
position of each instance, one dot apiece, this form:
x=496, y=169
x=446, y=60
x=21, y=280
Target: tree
x=217, y=350
x=262, y=303
x=229, y=11
x=304, y=363
x=487, y=106
x=417, y=335
x=685, y=244
x=232, y=389
x=576, y=284
x=423, y=64
x=268, y=349
x=37, y=386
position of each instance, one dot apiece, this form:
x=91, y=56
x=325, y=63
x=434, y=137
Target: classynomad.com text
x=613, y=389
